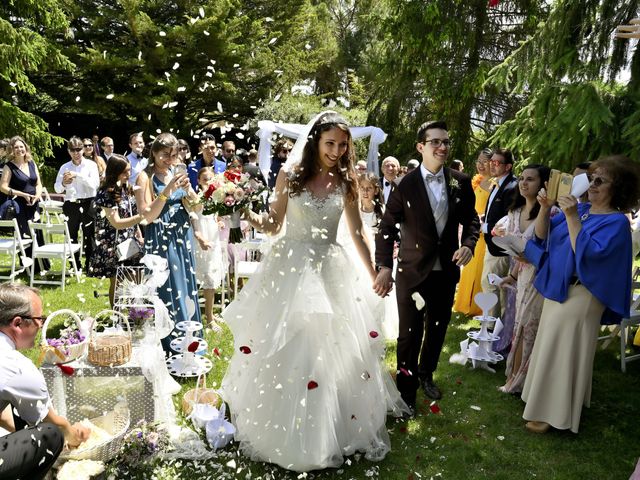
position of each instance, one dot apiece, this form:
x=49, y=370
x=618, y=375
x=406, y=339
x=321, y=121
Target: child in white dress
x=211, y=264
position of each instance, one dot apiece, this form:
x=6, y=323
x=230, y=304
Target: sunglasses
x=76, y=149
x=598, y=181
x=88, y=145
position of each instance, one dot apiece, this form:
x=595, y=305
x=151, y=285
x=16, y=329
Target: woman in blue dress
x=170, y=235
x=583, y=260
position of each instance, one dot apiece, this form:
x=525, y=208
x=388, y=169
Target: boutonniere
x=453, y=184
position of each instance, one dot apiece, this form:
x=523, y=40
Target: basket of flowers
x=106, y=439
x=112, y=345
x=140, y=318
x=68, y=344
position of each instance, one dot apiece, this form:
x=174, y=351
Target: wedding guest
x=500, y=197
x=207, y=158
x=228, y=151
x=184, y=151
x=79, y=180
x=583, y=258
x=135, y=157
x=412, y=165
x=389, y=181
x=38, y=433
x=426, y=209
x=528, y=303
x=117, y=219
x=252, y=167
x=305, y=384
x=471, y=276
x=107, y=148
x=170, y=235
x=211, y=266
x=280, y=155
x=361, y=167
x=457, y=165
x=91, y=152
x=21, y=183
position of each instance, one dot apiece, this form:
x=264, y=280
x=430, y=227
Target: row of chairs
x=57, y=245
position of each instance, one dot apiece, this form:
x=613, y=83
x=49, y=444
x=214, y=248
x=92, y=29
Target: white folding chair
x=623, y=328
x=14, y=246
x=50, y=207
x=245, y=268
x=63, y=250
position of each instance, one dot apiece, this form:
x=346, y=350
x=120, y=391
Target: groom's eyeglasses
x=437, y=143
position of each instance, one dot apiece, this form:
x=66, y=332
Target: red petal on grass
x=66, y=369
x=193, y=346
x=246, y=350
x=373, y=334
x=434, y=408
x=216, y=352
x=311, y=385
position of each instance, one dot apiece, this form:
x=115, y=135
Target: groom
x=424, y=212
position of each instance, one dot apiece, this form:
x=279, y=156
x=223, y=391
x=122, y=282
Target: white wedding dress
x=306, y=384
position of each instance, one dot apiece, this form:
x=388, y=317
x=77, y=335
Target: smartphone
x=180, y=168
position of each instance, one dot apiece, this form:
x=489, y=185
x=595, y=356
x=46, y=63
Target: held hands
x=76, y=434
x=462, y=256
x=383, y=282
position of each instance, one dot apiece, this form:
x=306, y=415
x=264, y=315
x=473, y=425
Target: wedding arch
x=266, y=128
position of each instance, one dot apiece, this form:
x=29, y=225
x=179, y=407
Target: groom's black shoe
x=430, y=389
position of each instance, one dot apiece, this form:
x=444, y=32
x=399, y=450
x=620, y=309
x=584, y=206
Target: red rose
x=210, y=190
x=232, y=176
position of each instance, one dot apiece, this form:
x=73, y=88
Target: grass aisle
x=479, y=433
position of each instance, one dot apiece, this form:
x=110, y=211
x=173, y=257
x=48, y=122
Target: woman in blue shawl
x=583, y=257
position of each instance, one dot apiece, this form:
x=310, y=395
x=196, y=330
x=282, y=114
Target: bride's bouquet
x=228, y=194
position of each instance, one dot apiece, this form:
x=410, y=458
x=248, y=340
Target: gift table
x=93, y=390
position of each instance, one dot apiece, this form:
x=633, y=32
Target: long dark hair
x=115, y=166
x=307, y=167
x=378, y=198
x=519, y=200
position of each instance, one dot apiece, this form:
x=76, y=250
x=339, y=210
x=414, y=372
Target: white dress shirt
x=84, y=185
x=493, y=194
x=137, y=165
x=22, y=384
x=386, y=189
x=437, y=193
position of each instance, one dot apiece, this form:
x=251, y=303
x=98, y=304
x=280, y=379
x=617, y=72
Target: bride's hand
x=383, y=282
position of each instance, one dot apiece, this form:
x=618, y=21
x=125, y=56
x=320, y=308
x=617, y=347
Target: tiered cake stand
x=186, y=363
x=481, y=348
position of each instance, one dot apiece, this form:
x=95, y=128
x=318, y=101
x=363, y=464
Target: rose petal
x=434, y=408
x=216, y=352
x=66, y=369
x=373, y=334
x=246, y=350
x=312, y=385
x=193, y=346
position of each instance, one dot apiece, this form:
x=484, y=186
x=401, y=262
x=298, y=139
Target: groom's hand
x=383, y=283
x=462, y=256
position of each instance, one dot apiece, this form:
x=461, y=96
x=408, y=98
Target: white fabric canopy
x=292, y=130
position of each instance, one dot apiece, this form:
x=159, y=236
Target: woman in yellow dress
x=472, y=272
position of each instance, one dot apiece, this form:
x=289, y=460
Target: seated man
x=38, y=432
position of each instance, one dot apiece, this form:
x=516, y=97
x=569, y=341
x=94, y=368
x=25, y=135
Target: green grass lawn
x=479, y=433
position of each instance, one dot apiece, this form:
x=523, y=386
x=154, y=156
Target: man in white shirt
x=37, y=431
x=79, y=181
x=137, y=161
x=107, y=148
x=390, y=170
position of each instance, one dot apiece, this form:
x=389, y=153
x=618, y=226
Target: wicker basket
x=53, y=355
x=116, y=423
x=106, y=349
x=200, y=394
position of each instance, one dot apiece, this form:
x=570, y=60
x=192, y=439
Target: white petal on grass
x=182, y=89
x=475, y=407
x=140, y=55
x=110, y=96
x=219, y=107
x=205, y=32
x=77, y=99
x=308, y=47
x=162, y=33
x=176, y=66
x=201, y=12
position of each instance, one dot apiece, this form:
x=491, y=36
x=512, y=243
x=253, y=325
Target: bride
x=305, y=385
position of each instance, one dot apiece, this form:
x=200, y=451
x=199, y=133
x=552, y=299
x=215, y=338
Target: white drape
x=292, y=130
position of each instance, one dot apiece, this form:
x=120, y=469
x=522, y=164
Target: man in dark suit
x=504, y=188
x=389, y=180
x=425, y=210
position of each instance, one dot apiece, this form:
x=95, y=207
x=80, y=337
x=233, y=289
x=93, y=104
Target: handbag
x=9, y=210
x=128, y=248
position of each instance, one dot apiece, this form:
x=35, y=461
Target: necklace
x=586, y=214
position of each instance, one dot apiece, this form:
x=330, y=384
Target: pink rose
x=229, y=201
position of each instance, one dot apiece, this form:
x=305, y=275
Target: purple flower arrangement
x=143, y=441
x=68, y=337
x=140, y=314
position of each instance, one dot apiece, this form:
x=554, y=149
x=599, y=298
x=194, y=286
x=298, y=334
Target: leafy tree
x=569, y=71
x=26, y=47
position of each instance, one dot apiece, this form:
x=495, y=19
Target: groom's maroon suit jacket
x=409, y=209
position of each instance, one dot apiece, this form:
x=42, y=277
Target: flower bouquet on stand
x=228, y=194
x=140, y=319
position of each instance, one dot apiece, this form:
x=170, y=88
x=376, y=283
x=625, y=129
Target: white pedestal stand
x=480, y=350
x=186, y=363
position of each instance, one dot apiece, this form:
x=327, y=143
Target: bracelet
x=163, y=197
x=513, y=277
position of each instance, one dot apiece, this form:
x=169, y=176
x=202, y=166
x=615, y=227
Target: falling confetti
x=312, y=385
x=246, y=350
